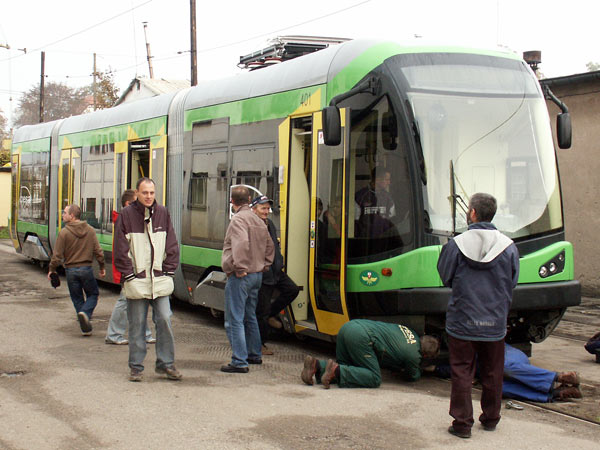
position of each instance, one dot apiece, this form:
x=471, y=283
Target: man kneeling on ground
x=363, y=347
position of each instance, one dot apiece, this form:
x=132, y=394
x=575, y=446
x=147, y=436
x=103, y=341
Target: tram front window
x=380, y=206
x=483, y=127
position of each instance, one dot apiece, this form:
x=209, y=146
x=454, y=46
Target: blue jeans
x=137, y=313
x=241, y=296
x=523, y=380
x=80, y=280
x=117, y=326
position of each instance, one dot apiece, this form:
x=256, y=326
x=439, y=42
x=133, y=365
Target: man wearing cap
x=274, y=278
x=247, y=253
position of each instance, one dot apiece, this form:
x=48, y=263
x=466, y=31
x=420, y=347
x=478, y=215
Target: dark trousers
x=464, y=356
x=288, y=291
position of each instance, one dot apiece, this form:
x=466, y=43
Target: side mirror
x=563, y=130
x=332, y=127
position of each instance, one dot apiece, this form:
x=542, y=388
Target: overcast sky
x=70, y=31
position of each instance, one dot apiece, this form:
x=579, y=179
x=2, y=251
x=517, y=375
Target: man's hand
x=49, y=275
x=102, y=273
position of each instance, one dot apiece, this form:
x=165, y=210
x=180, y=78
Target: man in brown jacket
x=76, y=246
x=248, y=251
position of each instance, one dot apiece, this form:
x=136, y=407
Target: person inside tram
x=375, y=206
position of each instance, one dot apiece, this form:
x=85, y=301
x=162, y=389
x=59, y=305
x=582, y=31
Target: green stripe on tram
x=117, y=133
x=36, y=146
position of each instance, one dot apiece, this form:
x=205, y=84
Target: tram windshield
x=483, y=126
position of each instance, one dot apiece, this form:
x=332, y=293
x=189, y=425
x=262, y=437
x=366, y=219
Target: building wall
x=579, y=169
x=4, y=197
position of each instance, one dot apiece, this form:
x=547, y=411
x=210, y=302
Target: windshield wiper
x=457, y=200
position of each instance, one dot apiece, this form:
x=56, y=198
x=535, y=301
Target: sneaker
x=460, y=434
x=571, y=378
x=309, y=370
x=136, y=375
x=233, y=369
x=329, y=375
x=266, y=351
x=568, y=392
x=151, y=340
x=117, y=342
x=84, y=323
x=171, y=372
x=275, y=323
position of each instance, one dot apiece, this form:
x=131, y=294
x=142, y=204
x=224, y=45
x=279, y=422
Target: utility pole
x=194, y=80
x=94, y=83
x=149, y=56
x=42, y=76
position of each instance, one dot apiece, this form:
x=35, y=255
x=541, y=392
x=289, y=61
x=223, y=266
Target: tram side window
x=382, y=206
x=253, y=166
x=97, y=186
x=207, y=195
x=25, y=196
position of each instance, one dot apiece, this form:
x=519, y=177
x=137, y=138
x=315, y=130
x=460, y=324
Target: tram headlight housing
x=554, y=266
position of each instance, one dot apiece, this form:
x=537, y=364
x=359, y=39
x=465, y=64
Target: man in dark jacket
x=76, y=246
x=274, y=278
x=482, y=268
x=146, y=253
x=363, y=347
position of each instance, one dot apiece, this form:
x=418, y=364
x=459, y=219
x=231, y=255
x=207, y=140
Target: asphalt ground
x=59, y=389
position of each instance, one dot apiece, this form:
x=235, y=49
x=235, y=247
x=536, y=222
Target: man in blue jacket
x=482, y=268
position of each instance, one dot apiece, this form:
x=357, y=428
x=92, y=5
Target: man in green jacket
x=363, y=347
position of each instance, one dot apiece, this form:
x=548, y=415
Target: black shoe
x=84, y=323
x=489, y=427
x=460, y=434
x=254, y=361
x=233, y=369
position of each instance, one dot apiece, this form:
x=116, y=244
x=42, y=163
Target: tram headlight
x=554, y=266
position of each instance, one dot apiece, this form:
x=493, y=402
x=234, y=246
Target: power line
x=81, y=31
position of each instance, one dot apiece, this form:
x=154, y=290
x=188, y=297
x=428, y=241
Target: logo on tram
x=369, y=278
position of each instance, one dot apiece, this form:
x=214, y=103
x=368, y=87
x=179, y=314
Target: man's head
x=261, y=206
x=381, y=177
x=430, y=346
x=145, y=191
x=240, y=196
x=128, y=197
x=71, y=213
x=482, y=208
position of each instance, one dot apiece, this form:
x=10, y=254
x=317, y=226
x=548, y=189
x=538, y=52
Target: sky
x=71, y=31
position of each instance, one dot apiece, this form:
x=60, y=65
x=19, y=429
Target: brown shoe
x=567, y=392
x=136, y=375
x=571, y=378
x=329, y=375
x=171, y=372
x=265, y=351
x=275, y=323
x=310, y=368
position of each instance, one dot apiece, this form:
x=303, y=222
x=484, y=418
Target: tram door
x=15, y=198
x=314, y=233
x=69, y=179
x=147, y=158
x=328, y=228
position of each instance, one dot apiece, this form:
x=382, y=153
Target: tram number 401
x=305, y=99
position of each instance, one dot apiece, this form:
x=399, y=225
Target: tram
x=441, y=122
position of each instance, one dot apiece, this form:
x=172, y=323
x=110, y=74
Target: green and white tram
x=444, y=123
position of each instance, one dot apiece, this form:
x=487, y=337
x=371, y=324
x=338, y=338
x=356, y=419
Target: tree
x=106, y=91
x=4, y=154
x=592, y=66
x=60, y=101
